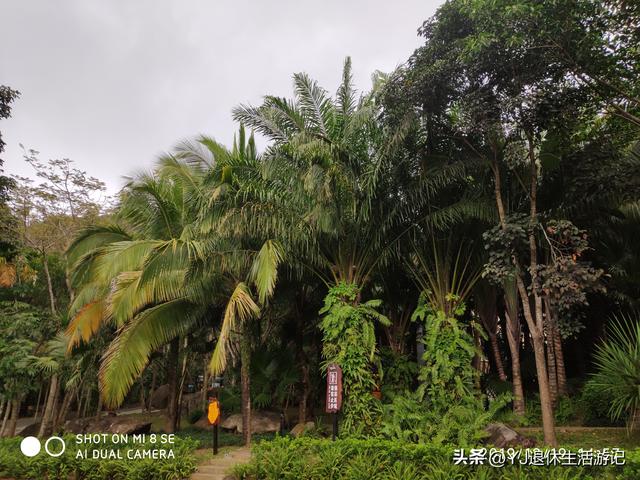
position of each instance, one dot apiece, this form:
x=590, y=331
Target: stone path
x=218, y=467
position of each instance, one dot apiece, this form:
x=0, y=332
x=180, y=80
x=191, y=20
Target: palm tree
x=158, y=282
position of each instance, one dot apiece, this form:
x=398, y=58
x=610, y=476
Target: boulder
x=261, y=422
x=302, y=428
x=108, y=424
x=160, y=397
x=30, y=430
x=232, y=422
x=502, y=436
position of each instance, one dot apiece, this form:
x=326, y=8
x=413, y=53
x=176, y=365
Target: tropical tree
x=162, y=275
x=618, y=373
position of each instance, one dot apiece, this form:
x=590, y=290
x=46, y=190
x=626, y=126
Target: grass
x=588, y=437
x=225, y=439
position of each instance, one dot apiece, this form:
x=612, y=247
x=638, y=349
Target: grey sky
x=113, y=83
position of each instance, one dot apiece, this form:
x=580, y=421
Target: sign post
x=213, y=415
x=334, y=394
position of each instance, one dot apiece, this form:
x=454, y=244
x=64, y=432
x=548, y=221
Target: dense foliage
x=15, y=465
x=382, y=459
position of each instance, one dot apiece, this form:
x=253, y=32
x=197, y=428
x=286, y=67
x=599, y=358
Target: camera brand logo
x=31, y=446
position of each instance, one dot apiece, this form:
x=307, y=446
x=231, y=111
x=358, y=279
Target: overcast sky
x=111, y=84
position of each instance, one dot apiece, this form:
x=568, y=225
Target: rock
x=160, y=397
x=107, y=424
x=261, y=422
x=232, y=422
x=302, y=428
x=30, y=430
x=502, y=436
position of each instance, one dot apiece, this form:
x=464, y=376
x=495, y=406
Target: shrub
x=618, y=364
x=348, y=332
x=595, y=404
x=445, y=409
x=15, y=465
x=374, y=459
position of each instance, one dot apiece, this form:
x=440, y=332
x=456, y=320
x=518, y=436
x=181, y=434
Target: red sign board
x=334, y=388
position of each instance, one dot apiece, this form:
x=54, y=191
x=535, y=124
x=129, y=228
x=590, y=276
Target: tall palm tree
x=157, y=279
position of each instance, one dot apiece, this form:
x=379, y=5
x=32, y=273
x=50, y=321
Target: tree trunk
x=204, y=399
x=245, y=361
x=13, y=419
x=64, y=409
x=52, y=301
x=35, y=414
x=513, y=339
x=551, y=354
x=497, y=357
x=563, y=390
x=3, y=405
x=535, y=324
x=304, y=395
x=154, y=377
x=143, y=401
x=87, y=403
x=46, y=426
x=81, y=397
x=183, y=376
x=7, y=412
x=173, y=359
x=99, y=407
x=303, y=361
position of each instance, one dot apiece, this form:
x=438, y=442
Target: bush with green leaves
x=594, y=405
x=348, y=329
x=618, y=368
x=13, y=464
x=375, y=459
x=445, y=409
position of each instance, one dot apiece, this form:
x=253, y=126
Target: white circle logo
x=30, y=446
x=55, y=454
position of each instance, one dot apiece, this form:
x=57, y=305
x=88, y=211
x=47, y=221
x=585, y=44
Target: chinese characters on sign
x=499, y=457
x=334, y=388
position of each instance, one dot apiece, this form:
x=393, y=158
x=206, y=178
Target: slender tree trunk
x=143, y=401
x=304, y=395
x=497, y=357
x=52, y=301
x=3, y=405
x=303, y=361
x=173, y=358
x=87, y=403
x=245, y=363
x=154, y=378
x=64, y=409
x=551, y=367
x=35, y=414
x=183, y=376
x=535, y=324
x=81, y=397
x=13, y=419
x=46, y=399
x=513, y=339
x=204, y=400
x=46, y=426
x=99, y=407
x=5, y=418
x=563, y=391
